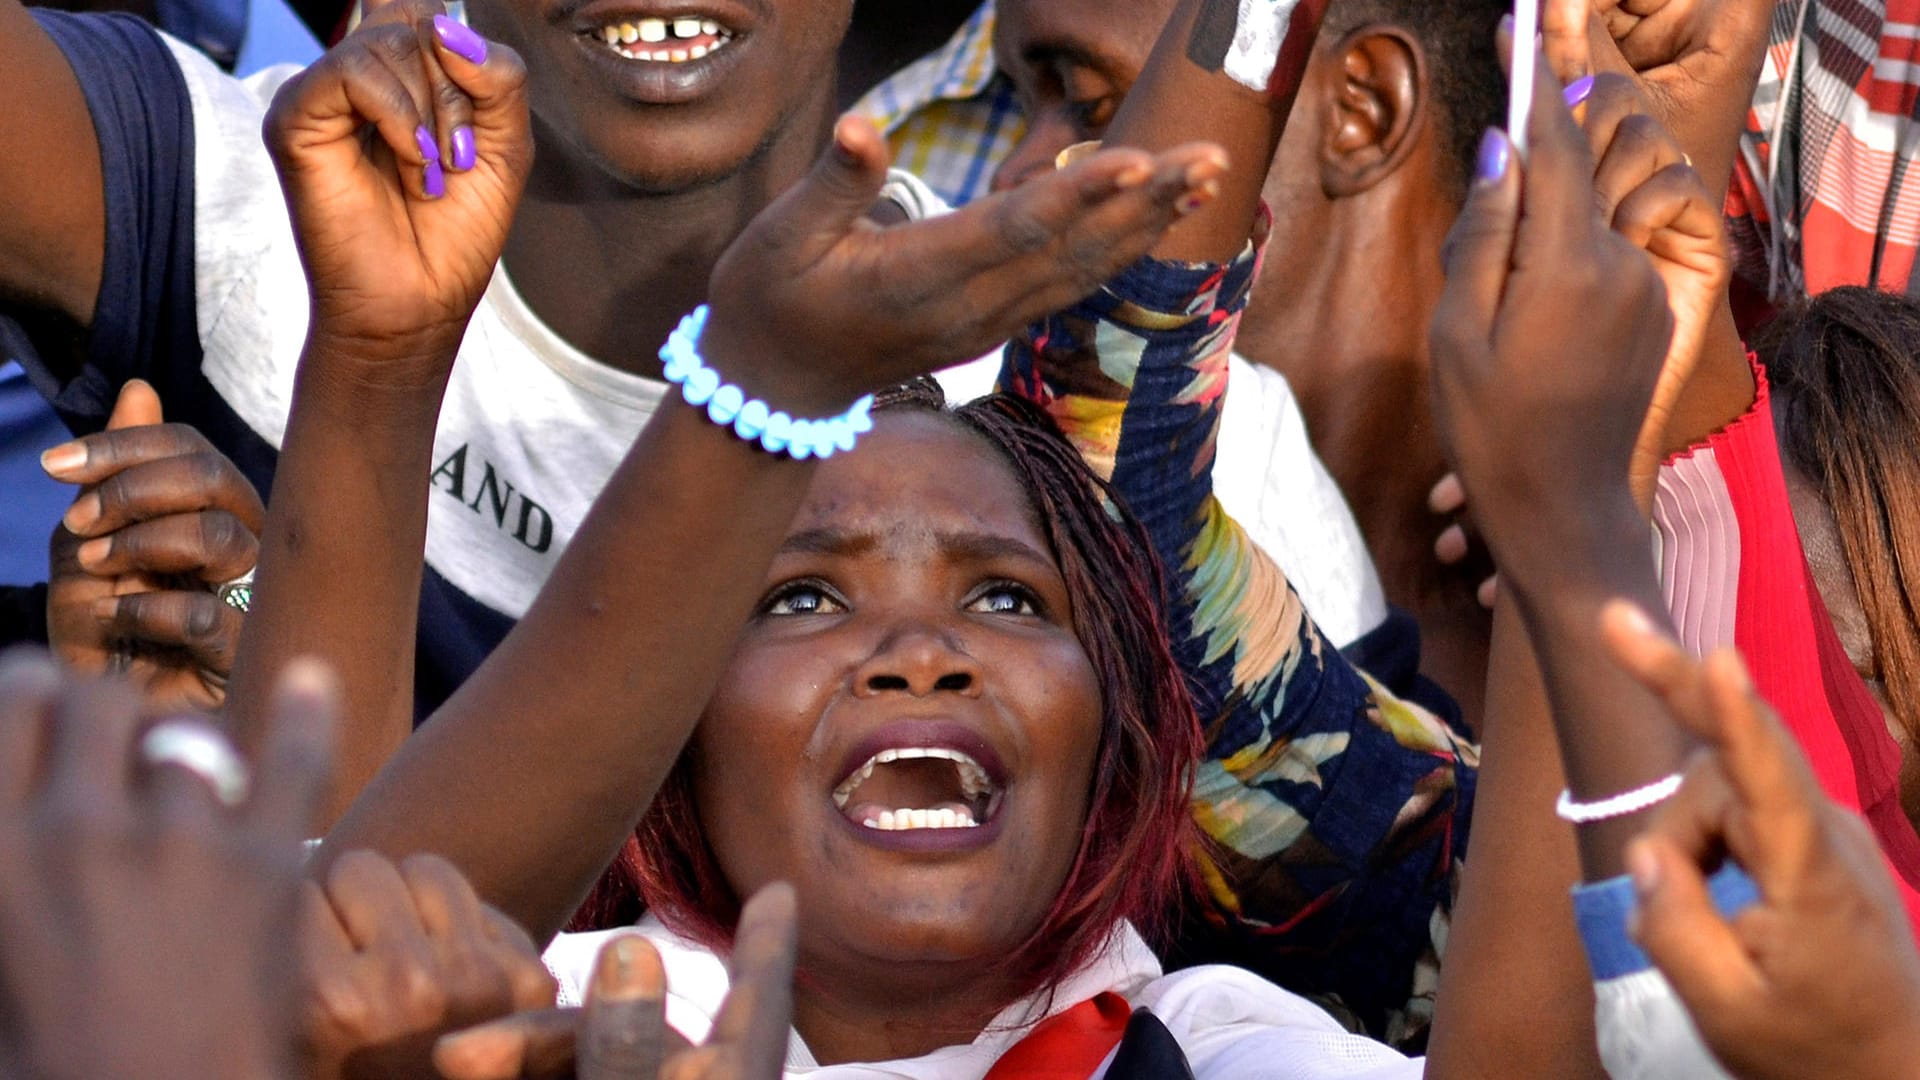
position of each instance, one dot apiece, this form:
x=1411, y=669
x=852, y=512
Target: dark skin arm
x=393, y=275
x=1547, y=434
x=1176, y=99
x=54, y=231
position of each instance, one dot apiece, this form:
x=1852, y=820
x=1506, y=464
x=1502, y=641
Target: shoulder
x=1232, y=1023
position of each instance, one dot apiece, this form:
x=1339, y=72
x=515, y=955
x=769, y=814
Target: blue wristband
x=751, y=418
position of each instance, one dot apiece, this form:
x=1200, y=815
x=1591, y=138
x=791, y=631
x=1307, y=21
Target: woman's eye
x=1006, y=600
x=802, y=600
x=1091, y=117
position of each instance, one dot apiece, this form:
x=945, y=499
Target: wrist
x=773, y=372
x=1596, y=542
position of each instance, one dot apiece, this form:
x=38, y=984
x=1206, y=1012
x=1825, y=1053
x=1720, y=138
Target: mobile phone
x=1526, y=54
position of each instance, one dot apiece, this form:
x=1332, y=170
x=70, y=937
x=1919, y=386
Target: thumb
x=1684, y=934
x=843, y=186
x=137, y=406
x=1479, y=250
x=1563, y=38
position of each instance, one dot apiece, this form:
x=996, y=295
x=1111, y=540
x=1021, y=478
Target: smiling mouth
x=682, y=39
x=918, y=787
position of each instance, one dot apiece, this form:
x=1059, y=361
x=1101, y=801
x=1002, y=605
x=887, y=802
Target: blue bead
x=800, y=448
x=860, y=417
x=752, y=420
x=842, y=433
x=680, y=362
x=726, y=404
x=779, y=431
x=700, y=385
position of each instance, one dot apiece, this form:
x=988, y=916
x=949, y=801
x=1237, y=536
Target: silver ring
x=238, y=593
x=195, y=746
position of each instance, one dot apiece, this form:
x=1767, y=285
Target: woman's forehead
x=920, y=473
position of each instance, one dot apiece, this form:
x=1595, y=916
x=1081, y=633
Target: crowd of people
x=1025, y=540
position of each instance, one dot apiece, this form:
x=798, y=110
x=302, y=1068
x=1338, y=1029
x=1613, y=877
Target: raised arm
x=1339, y=810
x=54, y=231
x=1545, y=429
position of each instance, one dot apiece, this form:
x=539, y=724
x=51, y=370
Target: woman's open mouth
x=919, y=787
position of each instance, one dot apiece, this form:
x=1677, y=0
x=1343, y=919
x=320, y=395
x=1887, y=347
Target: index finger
x=758, y=1012
x=92, y=458
x=1563, y=34
x=1558, y=212
x=1766, y=770
x=297, y=755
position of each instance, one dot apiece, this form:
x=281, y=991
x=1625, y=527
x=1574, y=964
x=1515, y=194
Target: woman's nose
x=919, y=660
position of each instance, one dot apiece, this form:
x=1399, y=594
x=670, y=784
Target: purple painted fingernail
x=1492, y=161
x=463, y=153
x=429, y=146
x=435, y=181
x=1506, y=25
x=460, y=41
x=1577, y=90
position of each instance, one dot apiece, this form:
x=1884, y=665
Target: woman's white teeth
x=943, y=818
x=974, y=781
x=657, y=31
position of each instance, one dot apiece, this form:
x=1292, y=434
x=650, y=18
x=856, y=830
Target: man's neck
x=1355, y=355
x=612, y=270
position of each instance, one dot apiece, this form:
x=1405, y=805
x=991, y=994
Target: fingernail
x=94, y=552
x=1491, y=164
x=842, y=147
x=1506, y=24
x=429, y=146
x=1643, y=868
x=1132, y=177
x=1205, y=172
x=64, y=458
x=82, y=515
x=463, y=152
x=1190, y=203
x=629, y=977
x=460, y=40
x=1637, y=620
x=1451, y=546
x=1577, y=90
x=435, y=181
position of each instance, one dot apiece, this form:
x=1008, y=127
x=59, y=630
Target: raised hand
x=395, y=955
x=144, y=913
x=622, y=1034
x=161, y=520
x=1696, y=60
x=1648, y=192
x=829, y=305
x=1547, y=344
x=400, y=227
x=1821, y=977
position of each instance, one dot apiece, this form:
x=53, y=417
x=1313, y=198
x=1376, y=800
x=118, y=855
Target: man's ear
x=1376, y=109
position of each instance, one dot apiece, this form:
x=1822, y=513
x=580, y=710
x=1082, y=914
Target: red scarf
x=1069, y=1045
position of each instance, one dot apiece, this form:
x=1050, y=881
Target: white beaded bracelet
x=1627, y=802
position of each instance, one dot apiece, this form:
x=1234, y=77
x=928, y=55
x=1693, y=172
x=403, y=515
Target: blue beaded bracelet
x=750, y=418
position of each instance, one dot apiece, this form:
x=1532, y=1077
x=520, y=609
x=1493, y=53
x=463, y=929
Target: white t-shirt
x=1230, y=1023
